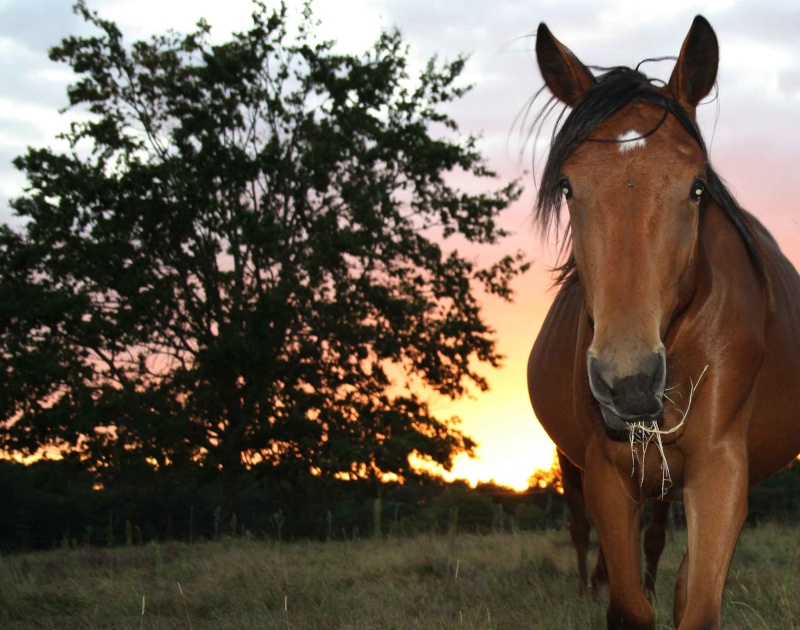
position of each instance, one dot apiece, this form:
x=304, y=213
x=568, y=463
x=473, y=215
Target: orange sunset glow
x=751, y=128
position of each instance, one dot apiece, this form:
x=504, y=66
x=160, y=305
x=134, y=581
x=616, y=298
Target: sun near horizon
x=512, y=445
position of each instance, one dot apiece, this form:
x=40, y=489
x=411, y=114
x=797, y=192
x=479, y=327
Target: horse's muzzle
x=630, y=398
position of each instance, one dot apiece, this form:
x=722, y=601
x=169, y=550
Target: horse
x=654, y=537
x=669, y=362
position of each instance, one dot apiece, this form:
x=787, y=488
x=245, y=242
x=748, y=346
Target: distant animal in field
x=669, y=363
x=654, y=536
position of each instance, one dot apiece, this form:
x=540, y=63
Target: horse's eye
x=565, y=188
x=698, y=188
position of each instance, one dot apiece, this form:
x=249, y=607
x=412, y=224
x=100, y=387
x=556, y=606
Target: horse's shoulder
x=560, y=324
x=551, y=370
x=552, y=358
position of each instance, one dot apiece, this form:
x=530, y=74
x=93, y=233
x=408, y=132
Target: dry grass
x=642, y=433
x=526, y=580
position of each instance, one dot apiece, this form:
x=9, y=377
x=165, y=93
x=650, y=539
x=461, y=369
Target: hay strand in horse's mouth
x=644, y=433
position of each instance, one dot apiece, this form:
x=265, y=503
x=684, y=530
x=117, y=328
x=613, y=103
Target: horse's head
x=633, y=170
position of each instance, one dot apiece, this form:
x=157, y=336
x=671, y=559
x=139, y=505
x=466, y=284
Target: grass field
x=524, y=580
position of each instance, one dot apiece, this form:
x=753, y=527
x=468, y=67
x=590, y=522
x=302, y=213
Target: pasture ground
x=514, y=581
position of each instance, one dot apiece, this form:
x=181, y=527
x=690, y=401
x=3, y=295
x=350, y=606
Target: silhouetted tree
x=241, y=260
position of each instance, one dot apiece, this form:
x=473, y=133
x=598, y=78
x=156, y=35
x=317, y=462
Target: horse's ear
x=563, y=73
x=696, y=70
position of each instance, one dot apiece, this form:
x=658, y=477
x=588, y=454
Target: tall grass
x=523, y=580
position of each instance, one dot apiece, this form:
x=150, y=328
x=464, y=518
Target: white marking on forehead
x=630, y=140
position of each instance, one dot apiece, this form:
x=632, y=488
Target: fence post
x=377, y=528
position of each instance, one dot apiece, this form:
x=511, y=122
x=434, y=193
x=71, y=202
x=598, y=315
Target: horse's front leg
x=715, y=497
x=616, y=516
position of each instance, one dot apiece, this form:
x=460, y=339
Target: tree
x=240, y=261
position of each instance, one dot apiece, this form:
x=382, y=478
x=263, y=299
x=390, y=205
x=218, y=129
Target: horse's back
x=551, y=368
x=774, y=436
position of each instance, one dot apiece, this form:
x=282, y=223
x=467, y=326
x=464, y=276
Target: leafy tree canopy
x=241, y=257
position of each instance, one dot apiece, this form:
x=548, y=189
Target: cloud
x=754, y=136
x=789, y=81
x=760, y=64
x=499, y=38
x=36, y=26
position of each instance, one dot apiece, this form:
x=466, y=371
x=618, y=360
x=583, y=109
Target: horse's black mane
x=616, y=88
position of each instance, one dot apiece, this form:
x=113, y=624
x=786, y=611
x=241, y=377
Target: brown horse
x=677, y=324
x=579, y=529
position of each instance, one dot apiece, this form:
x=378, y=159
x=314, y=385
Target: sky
x=753, y=128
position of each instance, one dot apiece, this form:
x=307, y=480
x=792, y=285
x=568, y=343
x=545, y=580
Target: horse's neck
x=725, y=272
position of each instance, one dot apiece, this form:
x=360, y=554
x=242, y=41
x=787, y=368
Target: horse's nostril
x=601, y=390
x=660, y=373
